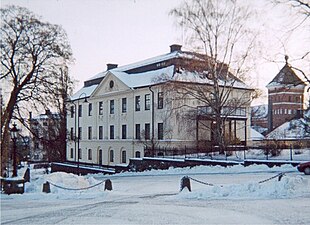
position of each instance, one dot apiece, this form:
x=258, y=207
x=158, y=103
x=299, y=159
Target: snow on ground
x=153, y=197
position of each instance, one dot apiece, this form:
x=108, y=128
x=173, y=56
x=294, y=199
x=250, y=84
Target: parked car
x=304, y=167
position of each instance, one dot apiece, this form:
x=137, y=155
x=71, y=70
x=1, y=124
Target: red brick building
x=285, y=97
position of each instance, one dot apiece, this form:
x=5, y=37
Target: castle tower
x=285, y=97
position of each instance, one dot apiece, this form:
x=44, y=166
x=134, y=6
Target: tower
x=285, y=97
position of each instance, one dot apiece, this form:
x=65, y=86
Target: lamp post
x=78, y=113
x=14, y=132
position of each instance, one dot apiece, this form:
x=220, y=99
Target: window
x=111, y=106
x=137, y=103
x=100, y=132
x=124, y=105
x=44, y=123
x=71, y=153
x=89, y=133
x=138, y=154
x=123, y=156
x=147, y=131
x=124, y=129
x=90, y=109
x=80, y=133
x=72, y=111
x=147, y=102
x=111, y=84
x=90, y=155
x=138, y=132
x=71, y=134
x=160, y=131
x=80, y=153
x=100, y=108
x=112, y=132
x=111, y=156
x=289, y=98
x=80, y=110
x=160, y=103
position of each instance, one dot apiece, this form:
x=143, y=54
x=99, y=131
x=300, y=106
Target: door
x=100, y=157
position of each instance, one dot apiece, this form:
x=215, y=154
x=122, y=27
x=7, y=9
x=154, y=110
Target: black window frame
x=90, y=109
x=147, y=131
x=112, y=132
x=72, y=111
x=160, y=100
x=138, y=131
x=112, y=106
x=89, y=154
x=111, y=158
x=124, y=131
x=100, y=133
x=71, y=133
x=100, y=108
x=80, y=110
x=123, y=156
x=137, y=103
x=147, y=102
x=160, y=129
x=124, y=105
x=90, y=132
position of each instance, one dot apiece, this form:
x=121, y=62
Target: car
x=304, y=167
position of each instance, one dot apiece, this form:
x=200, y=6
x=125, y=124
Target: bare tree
x=220, y=30
x=32, y=54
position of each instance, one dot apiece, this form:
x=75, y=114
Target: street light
x=14, y=133
x=77, y=114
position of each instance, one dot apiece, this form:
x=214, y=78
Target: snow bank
x=65, y=180
x=286, y=188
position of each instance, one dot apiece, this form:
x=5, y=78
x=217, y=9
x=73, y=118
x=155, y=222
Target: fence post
x=108, y=185
x=185, y=182
x=46, y=187
x=291, y=152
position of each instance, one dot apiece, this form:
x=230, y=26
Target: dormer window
x=111, y=84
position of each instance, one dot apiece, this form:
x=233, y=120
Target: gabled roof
x=286, y=76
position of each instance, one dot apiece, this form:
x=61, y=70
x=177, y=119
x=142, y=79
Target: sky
x=127, y=31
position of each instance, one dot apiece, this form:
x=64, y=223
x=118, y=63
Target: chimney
x=175, y=47
x=111, y=66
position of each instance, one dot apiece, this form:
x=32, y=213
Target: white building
x=127, y=106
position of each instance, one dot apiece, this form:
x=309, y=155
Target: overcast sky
x=126, y=31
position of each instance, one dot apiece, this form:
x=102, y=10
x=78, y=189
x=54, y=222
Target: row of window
x=138, y=132
x=284, y=111
x=147, y=105
x=100, y=155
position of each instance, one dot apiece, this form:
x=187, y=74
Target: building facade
x=123, y=110
x=44, y=130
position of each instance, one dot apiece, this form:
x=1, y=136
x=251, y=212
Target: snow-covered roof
x=286, y=76
x=256, y=136
x=84, y=92
x=145, y=78
x=259, y=111
x=153, y=60
x=294, y=129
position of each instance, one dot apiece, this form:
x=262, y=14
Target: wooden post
x=185, y=182
x=108, y=185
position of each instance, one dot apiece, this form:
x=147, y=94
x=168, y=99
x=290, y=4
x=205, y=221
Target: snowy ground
x=153, y=197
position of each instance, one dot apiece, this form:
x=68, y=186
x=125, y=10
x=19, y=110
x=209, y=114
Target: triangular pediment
x=109, y=84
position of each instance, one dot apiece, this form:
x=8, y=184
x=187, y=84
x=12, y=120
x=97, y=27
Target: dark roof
x=286, y=76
